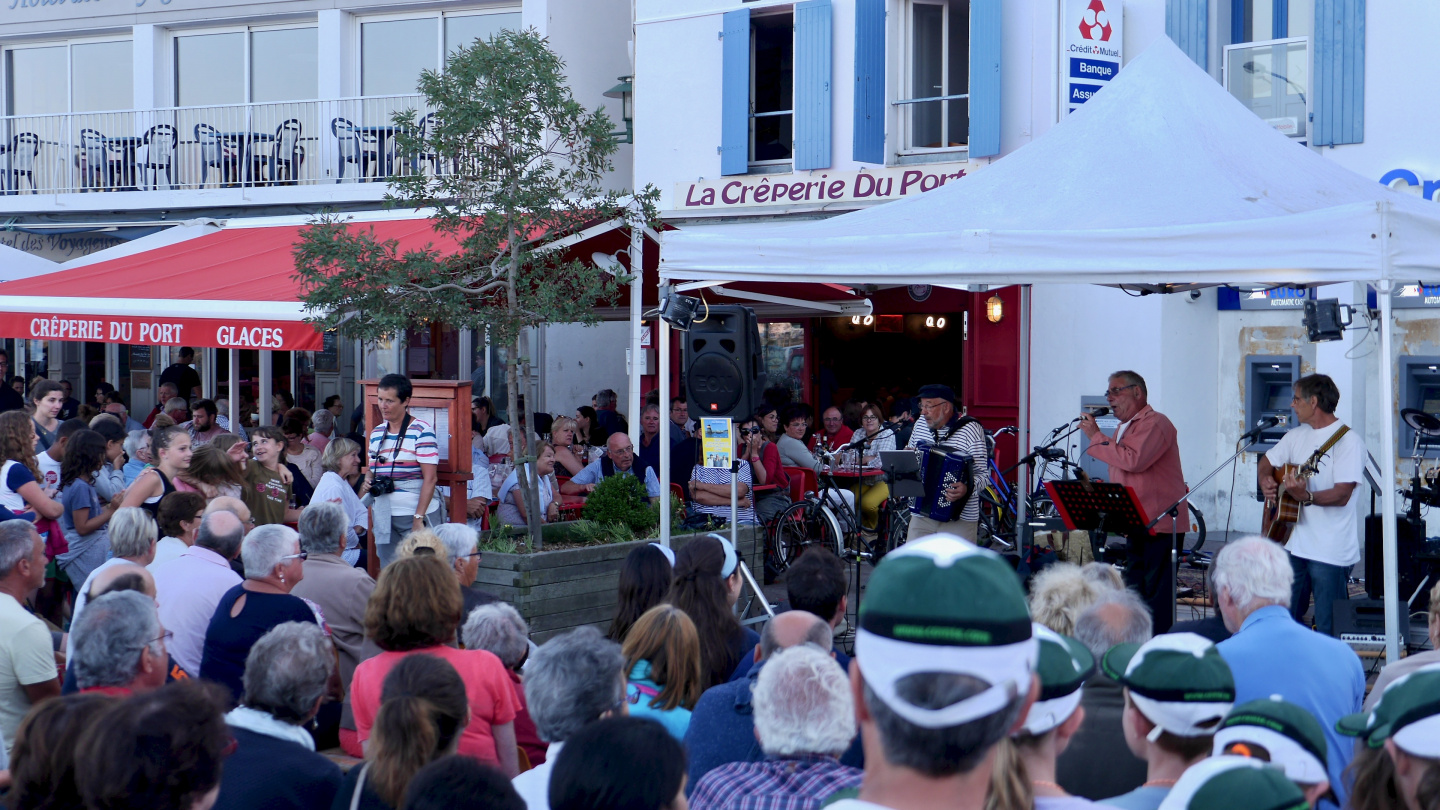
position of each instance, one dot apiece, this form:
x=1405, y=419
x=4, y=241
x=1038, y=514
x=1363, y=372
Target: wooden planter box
x=558, y=590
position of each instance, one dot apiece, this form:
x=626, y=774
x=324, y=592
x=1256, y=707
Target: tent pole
x=267, y=370
x=233, y=395
x=662, y=345
x=1387, y=448
x=1022, y=475
x=637, y=275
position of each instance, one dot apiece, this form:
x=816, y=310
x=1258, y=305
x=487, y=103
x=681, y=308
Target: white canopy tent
x=1162, y=178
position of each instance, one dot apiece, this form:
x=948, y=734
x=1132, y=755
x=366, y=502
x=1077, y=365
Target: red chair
x=678, y=491
x=802, y=480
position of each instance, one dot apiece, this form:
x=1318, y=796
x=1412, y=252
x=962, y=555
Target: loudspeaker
x=724, y=364
x=1366, y=617
x=1410, y=537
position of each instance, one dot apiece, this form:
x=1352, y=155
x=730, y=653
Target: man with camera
x=404, y=461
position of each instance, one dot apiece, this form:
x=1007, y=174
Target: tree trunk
x=525, y=475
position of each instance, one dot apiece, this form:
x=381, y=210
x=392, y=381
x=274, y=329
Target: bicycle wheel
x=895, y=525
x=1197, y=522
x=803, y=524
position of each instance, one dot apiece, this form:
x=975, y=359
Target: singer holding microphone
x=1145, y=456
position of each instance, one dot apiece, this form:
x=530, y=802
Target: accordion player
x=940, y=468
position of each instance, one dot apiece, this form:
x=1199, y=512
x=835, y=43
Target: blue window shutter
x=735, y=93
x=1187, y=23
x=1338, y=100
x=868, y=145
x=812, y=84
x=1280, y=19
x=984, y=78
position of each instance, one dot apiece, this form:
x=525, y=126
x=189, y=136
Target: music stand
x=903, y=468
x=1098, y=508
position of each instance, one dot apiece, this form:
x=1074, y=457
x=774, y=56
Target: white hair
x=132, y=532
x=1059, y=594
x=803, y=704
x=499, y=628
x=1255, y=571
x=459, y=539
x=262, y=549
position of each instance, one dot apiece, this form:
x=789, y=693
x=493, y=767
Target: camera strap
x=399, y=440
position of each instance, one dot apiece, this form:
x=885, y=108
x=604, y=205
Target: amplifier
x=1411, y=560
x=1361, y=623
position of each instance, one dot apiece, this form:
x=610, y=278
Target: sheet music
x=439, y=419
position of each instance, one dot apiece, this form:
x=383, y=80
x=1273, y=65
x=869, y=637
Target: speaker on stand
x=724, y=363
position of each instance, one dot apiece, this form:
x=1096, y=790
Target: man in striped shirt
x=944, y=429
x=403, y=449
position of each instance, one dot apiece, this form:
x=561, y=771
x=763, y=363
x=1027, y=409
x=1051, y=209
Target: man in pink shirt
x=1145, y=456
x=190, y=586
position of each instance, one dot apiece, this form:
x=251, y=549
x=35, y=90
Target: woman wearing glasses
x=765, y=468
x=875, y=436
x=273, y=566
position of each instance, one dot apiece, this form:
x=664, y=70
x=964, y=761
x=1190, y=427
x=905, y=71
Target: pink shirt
x=1147, y=459
x=188, y=588
x=487, y=686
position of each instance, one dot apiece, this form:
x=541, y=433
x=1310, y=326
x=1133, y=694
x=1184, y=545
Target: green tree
x=521, y=165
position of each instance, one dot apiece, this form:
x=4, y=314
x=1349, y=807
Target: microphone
x=1095, y=412
x=1050, y=453
x=1260, y=427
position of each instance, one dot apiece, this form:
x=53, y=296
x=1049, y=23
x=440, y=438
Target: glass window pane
x=37, y=81
x=465, y=30
x=284, y=64
x=957, y=73
x=393, y=53
x=1302, y=18
x=210, y=69
x=927, y=64
x=102, y=77
x=783, y=347
x=1259, y=20
x=772, y=81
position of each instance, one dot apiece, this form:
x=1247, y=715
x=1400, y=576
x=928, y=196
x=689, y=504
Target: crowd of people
x=187, y=633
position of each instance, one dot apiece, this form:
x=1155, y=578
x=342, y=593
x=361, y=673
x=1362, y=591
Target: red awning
x=228, y=290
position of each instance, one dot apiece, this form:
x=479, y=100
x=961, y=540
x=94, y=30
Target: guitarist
x=941, y=426
x=1325, y=543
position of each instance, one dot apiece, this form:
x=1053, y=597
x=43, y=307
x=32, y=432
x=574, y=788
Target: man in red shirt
x=1145, y=456
x=834, y=435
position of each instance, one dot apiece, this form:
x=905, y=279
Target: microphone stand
x=1173, y=510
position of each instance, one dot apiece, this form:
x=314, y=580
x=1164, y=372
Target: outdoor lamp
x=623, y=91
x=994, y=309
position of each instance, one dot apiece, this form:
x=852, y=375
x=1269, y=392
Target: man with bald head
x=722, y=726
x=115, y=580
x=191, y=585
x=234, y=506
x=619, y=459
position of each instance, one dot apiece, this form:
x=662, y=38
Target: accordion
x=939, y=469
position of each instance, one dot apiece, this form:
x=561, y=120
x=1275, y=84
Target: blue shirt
x=593, y=474
x=640, y=690
x=1272, y=654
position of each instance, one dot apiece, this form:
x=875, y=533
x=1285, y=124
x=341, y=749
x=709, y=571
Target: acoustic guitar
x=1282, y=512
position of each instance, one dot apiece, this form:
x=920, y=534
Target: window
x=279, y=64
x=69, y=77
x=1268, y=67
x=935, y=103
x=394, y=52
x=772, y=88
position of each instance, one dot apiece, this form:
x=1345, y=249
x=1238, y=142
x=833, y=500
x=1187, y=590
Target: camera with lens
x=382, y=485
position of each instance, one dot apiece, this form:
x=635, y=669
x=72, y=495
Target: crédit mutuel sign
x=816, y=187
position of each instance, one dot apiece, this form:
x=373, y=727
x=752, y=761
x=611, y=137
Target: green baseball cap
x=1063, y=667
x=1279, y=732
x=1177, y=680
x=1408, y=713
x=942, y=604
x=1233, y=783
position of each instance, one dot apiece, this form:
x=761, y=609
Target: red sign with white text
x=205, y=333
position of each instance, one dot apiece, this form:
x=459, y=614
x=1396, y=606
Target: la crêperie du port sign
x=816, y=187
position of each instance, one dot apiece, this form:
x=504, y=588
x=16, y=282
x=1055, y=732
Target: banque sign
x=815, y=187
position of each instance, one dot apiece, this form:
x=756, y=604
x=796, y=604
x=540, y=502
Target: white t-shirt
x=49, y=469
x=1327, y=534
x=26, y=658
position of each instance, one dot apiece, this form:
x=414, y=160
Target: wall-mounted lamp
x=625, y=92
x=934, y=322
x=994, y=309
x=859, y=320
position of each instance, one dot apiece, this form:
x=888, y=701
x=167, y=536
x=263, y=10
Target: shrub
x=622, y=500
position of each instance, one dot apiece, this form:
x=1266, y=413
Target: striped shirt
x=719, y=475
x=403, y=457
x=775, y=783
x=969, y=440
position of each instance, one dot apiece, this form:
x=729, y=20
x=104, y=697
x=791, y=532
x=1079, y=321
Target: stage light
x=1322, y=320
x=678, y=310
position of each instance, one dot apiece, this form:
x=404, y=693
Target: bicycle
x=826, y=518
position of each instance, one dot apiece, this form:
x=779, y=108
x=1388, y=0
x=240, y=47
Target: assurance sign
x=816, y=187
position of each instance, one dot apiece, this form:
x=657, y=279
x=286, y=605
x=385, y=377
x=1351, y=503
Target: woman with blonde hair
x=570, y=455
x=662, y=657
x=415, y=610
x=212, y=473
x=341, y=462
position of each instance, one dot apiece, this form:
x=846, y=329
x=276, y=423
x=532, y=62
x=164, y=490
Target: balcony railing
x=246, y=145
